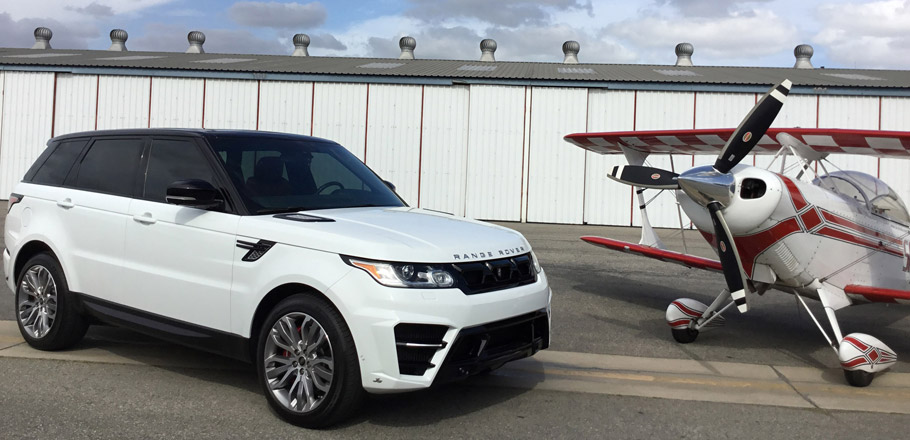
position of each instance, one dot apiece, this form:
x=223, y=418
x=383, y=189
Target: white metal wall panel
x=28, y=103
x=176, y=102
x=231, y=103
x=859, y=112
x=393, y=136
x=664, y=111
x=75, y=107
x=495, y=153
x=896, y=116
x=798, y=111
x=2, y=73
x=445, y=147
x=123, y=102
x=286, y=106
x=607, y=202
x=340, y=113
x=720, y=110
x=556, y=182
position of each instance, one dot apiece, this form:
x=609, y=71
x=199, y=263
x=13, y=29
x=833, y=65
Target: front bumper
x=475, y=332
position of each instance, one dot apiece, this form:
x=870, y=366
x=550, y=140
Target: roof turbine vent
x=407, y=45
x=684, y=53
x=118, y=40
x=301, y=43
x=196, y=40
x=43, y=37
x=570, y=49
x=803, y=54
x=487, y=49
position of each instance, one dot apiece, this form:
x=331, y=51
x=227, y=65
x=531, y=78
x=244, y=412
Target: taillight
x=13, y=199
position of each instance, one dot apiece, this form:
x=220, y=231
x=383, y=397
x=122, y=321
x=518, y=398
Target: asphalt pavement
x=613, y=370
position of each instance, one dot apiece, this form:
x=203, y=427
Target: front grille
x=489, y=346
x=485, y=276
x=416, y=344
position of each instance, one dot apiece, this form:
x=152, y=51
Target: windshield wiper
x=281, y=210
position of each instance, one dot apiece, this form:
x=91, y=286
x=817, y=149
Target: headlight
x=427, y=276
x=536, y=263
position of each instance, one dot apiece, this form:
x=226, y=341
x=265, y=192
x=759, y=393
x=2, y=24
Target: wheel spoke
x=322, y=377
x=311, y=328
x=307, y=387
x=31, y=281
x=320, y=339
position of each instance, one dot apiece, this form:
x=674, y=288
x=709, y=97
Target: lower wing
x=657, y=254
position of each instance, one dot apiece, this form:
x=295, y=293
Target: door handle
x=66, y=203
x=145, y=218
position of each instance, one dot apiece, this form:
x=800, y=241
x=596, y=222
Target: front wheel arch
x=271, y=299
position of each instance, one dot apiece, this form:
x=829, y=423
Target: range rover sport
x=282, y=250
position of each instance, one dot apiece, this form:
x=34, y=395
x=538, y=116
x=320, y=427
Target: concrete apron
x=679, y=379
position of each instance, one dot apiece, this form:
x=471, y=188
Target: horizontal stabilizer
x=645, y=177
x=658, y=254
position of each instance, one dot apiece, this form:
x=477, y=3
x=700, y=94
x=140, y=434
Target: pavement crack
x=796, y=390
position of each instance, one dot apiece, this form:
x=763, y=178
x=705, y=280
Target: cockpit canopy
x=877, y=195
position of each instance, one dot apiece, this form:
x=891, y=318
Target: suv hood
x=389, y=234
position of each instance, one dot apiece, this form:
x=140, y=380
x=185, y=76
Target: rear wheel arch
x=29, y=250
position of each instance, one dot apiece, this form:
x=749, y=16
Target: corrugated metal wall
x=444, y=148
x=28, y=108
x=556, y=173
x=495, y=158
x=123, y=102
x=393, y=136
x=286, y=106
x=177, y=102
x=340, y=114
x=76, y=100
x=484, y=151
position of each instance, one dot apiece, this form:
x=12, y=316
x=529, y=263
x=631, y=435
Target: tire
x=326, y=370
x=684, y=335
x=46, y=311
x=858, y=378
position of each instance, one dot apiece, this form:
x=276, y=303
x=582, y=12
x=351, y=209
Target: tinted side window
x=110, y=166
x=58, y=164
x=171, y=160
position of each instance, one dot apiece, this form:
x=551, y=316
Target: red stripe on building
x=420, y=144
x=54, y=106
x=150, y=103
x=97, y=91
x=203, y=102
x=366, y=126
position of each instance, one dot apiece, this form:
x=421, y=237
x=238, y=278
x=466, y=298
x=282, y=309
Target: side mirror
x=193, y=193
x=389, y=184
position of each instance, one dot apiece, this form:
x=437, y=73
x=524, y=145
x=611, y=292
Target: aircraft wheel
x=684, y=335
x=858, y=378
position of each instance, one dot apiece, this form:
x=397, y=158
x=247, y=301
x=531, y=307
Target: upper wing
x=711, y=141
x=658, y=254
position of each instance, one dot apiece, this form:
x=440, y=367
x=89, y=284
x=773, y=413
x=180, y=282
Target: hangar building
x=478, y=138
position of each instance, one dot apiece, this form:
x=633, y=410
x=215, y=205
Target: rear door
x=179, y=259
x=93, y=206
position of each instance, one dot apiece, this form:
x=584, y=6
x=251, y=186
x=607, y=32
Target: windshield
x=284, y=175
x=877, y=195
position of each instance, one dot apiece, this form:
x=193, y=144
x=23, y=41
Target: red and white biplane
x=840, y=237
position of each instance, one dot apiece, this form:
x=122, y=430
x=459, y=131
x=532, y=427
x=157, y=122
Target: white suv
x=279, y=249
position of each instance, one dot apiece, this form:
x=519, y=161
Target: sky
x=872, y=34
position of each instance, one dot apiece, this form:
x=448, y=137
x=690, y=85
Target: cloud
x=326, y=41
x=20, y=33
x=93, y=9
x=869, y=35
x=159, y=37
x=739, y=36
x=707, y=8
x=508, y=13
x=278, y=15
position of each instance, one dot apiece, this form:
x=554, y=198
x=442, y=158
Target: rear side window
x=110, y=166
x=171, y=160
x=58, y=164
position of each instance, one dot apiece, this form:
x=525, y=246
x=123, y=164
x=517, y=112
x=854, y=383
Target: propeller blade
x=753, y=127
x=729, y=258
x=644, y=177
